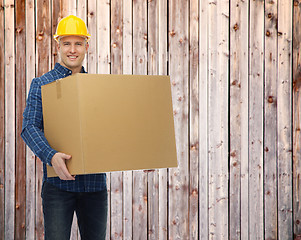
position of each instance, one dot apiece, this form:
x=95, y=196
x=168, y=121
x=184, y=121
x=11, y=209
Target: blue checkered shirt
x=33, y=136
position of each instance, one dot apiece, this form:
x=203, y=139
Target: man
x=63, y=195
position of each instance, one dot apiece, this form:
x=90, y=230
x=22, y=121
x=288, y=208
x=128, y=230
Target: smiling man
x=72, y=50
x=86, y=195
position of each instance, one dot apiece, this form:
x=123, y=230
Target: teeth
x=72, y=57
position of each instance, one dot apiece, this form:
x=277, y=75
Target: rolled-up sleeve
x=32, y=128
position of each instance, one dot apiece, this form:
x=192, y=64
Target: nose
x=72, y=48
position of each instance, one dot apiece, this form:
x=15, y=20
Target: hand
x=58, y=162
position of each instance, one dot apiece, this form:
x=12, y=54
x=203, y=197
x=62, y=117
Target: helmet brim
x=57, y=37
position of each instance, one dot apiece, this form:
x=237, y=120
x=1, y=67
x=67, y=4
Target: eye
x=79, y=44
x=66, y=44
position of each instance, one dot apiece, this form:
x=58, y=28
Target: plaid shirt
x=33, y=136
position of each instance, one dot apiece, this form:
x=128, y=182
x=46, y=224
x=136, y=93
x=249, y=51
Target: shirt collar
x=65, y=71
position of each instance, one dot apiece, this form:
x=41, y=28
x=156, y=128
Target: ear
x=58, y=45
x=87, y=46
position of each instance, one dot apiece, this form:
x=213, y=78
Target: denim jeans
x=59, y=207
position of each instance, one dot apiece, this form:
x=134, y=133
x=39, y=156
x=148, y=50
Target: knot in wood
x=40, y=37
x=268, y=33
x=270, y=99
x=19, y=29
x=233, y=154
x=236, y=27
x=270, y=15
x=172, y=33
x=194, y=192
x=296, y=3
x=194, y=147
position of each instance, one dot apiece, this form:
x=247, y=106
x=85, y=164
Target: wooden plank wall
x=235, y=72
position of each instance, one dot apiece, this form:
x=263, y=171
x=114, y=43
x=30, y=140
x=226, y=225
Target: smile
x=72, y=57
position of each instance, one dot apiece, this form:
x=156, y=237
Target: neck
x=74, y=70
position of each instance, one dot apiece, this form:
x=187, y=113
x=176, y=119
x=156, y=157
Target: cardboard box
x=110, y=122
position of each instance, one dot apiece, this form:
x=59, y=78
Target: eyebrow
x=74, y=42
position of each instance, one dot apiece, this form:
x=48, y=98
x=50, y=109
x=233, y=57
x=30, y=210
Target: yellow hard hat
x=71, y=25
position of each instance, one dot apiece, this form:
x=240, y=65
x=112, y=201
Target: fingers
x=66, y=156
x=58, y=162
x=64, y=174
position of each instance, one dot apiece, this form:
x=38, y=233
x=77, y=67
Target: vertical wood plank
x=116, y=37
x=296, y=116
x=178, y=65
x=203, y=121
x=127, y=69
x=82, y=13
x=193, y=120
x=139, y=67
x=2, y=122
x=238, y=200
x=57, y=15
x=153, y=176
x=218, y=119
x=30, y=157
x=72, y=7
x=92, y=57
x=74, y=235
x=284, y=119
x=244, y=120
x=256, y=42
x=162, y=70
x=103, y=36
x=270, y=121
x=235, y=120
x=43, y=65
x=20, y=105
x=10, y=146
x=116, y=68
x=82, y=9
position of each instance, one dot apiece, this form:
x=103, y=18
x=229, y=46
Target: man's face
x=72, y=51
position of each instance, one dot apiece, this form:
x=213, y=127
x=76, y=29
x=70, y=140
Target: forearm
x=36, y=141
